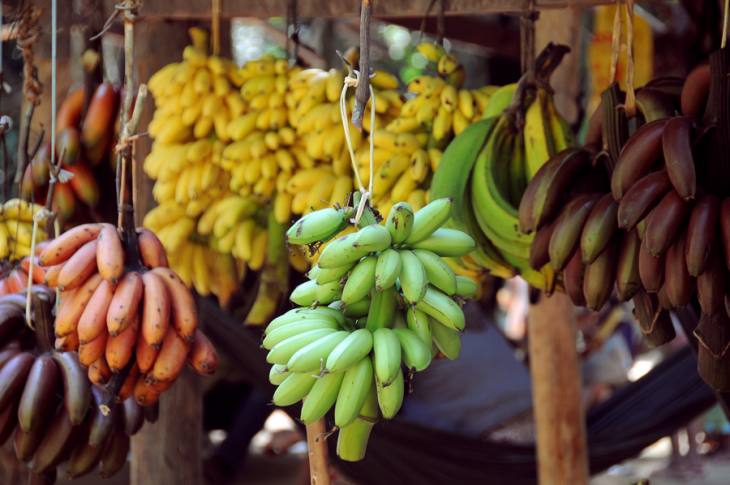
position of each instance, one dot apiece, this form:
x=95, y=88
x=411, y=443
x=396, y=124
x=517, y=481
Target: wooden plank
x=559, y=416
x=187, y=9
x=167, y=452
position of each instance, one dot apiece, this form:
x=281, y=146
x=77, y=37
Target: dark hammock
x=662, y=401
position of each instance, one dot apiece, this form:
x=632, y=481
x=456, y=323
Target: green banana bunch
x=391, y=303
x=486, y=170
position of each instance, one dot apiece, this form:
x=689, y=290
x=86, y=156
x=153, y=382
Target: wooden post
x=556, y=379
x=556, y=395
x=167, y=452
x=319, y=473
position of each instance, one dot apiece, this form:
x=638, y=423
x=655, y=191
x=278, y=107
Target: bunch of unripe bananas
x=129, y=316
x=47, y=404
x=81, y=146
x=647, y=213
x=485, y=170
x=379, y=298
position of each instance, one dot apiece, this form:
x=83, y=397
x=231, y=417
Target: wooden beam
x=559, y=416
x=200, y=9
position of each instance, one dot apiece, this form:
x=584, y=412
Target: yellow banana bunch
x=16, y=228
x=195, y=97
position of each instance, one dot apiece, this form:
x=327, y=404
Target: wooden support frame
x=200, y=9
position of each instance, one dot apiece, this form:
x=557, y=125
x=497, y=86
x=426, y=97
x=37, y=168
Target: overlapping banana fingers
x=134, y=317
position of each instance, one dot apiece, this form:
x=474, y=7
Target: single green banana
x=352, y=440
x=328, y=292
x=304, y=294
x=321, y=397
x=429, y=218
x=372, y=238
x=416, y=354
x=318, y=226
x=418, y=321
x=447, y=340
x=295, y=328
x=382, y=309
x=386, y=355
x=328, y=275
x=350, y=350
x=442, y=308
x=447, y=242
x=278, y=374
x=358, y=309
x=439, y=273
x=298, y=314
x=390, y=397
x=341, y=252
x=356, y=385
x=311, y=357
x=283, y=351
x=387, y=269
x=466, y=287
x=400, y=222
x=500, y=100
x=293, y=389
x=360, y=280
x=412, y=278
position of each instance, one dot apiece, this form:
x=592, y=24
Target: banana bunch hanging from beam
x=486, y=169
x=380, y=299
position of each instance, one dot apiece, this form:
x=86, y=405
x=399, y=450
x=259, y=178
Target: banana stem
x=362, y=93
x=130, y=121
x=368, y=216
x=44, y=336
x=318, y=468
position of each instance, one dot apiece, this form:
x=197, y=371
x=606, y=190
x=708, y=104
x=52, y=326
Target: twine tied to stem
x=351, y=81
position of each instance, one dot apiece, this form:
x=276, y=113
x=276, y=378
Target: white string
x=43, y=214
x=352, y=82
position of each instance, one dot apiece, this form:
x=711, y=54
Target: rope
x=28, y=33
x=351, y=81
x=630, y=103
x=726, y=8
x=616, y=40
x=215, y=26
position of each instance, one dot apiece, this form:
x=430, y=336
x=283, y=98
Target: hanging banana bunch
x=379, y=299
x=486, y=170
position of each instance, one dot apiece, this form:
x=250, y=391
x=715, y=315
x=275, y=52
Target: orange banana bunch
x=81, y=145
x=139, y=319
